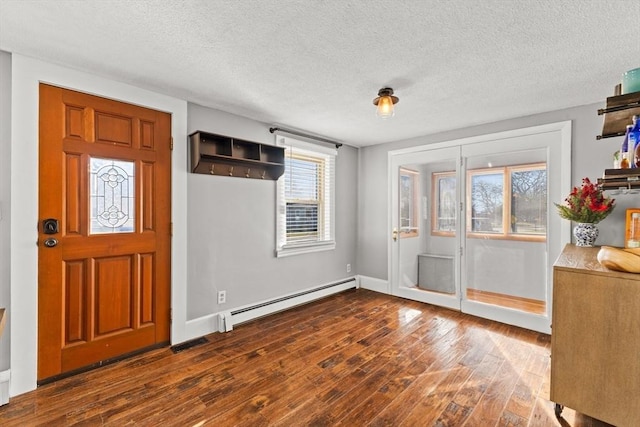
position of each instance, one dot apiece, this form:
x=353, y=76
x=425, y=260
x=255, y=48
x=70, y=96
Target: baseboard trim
x=5, y=378
x=373, y=284
x=225, y=320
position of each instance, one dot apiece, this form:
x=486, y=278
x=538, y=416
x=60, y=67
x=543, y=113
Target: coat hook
x=231, y=171
x=248, y=172
x=212, y=170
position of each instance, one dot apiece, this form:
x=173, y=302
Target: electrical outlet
x=222, y=297
x=348, y=268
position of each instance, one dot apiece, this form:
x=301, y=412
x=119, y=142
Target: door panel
x=105, y=174
x=73, y=194
x=423, y=262
x=506, y=266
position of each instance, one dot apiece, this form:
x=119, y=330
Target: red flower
x=586, y=204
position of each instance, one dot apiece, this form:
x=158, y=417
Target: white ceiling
x=316, y=65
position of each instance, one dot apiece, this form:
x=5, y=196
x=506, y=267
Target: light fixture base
x=386, y=91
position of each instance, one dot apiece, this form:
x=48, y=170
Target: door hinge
x=171, y=315
x=461, y=206
x=460, y=250
x=171, y=228
x=171, y=144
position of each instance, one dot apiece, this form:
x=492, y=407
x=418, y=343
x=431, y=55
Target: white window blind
x=306, y=198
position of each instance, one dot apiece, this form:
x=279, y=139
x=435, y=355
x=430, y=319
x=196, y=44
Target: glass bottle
x=624, y=150
x=634, y=231
x=634, y=141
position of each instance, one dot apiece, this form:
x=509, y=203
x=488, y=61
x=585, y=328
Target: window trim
x=312, y=152
x=506, y=203
x=414, y=226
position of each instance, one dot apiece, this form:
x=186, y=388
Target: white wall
x=26, y=75
x=5, y=188
x=589, y=159
x=232, y=229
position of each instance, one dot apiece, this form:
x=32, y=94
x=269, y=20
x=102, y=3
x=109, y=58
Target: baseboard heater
x=228, y=319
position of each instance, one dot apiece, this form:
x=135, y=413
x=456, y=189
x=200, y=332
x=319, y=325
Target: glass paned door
x=425, y=217
x=505, y=250
x=470, y=223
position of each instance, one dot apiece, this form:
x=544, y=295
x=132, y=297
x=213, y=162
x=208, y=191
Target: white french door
x=414, y=249
x=471, y=224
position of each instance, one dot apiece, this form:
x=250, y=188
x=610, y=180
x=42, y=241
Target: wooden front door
x=104, y=230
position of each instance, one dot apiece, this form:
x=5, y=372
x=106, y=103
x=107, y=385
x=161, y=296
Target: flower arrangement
x=586, y=204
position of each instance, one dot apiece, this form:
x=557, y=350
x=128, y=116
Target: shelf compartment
x=212, y=145
x=245, y=150
x=272, y=154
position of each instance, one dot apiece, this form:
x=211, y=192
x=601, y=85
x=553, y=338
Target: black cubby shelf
x=214, y=154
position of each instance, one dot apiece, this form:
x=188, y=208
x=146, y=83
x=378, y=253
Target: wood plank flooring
x=358, y=358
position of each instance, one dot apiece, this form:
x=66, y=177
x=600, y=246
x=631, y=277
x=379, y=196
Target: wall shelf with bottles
x=618, y=114
x=214, y=154
x=620, y=181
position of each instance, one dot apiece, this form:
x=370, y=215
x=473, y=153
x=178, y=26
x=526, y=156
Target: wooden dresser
x=595, y=339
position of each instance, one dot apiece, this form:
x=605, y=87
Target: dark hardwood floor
x=353, y=359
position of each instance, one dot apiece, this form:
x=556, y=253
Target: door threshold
x=100, y=364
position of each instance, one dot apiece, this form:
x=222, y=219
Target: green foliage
x=586, y=204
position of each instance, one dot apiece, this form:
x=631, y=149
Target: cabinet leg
x=558, y=410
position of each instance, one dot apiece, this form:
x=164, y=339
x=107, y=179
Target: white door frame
x=27, y=74
x=558, y=231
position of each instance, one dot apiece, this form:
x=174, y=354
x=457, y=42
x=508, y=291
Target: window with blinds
x=306, y=198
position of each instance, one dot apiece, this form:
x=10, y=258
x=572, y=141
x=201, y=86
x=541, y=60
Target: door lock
x=50, y=226
x=51, y=242
x=395, y=234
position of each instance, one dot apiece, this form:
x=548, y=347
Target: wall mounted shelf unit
x=618, y=114
x=214, y=154
x=620, y=180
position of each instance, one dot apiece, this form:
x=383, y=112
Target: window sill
x=407, y=234
x=304, y=249
x=499, y=236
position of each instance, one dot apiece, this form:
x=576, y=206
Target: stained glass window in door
x=112, y=196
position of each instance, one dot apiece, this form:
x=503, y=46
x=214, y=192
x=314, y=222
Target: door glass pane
x=112, y=196
x=529, y=201
x=409, y=200
x=505, y=246
x=427, y=227
x=487, y=195
x=444, y=196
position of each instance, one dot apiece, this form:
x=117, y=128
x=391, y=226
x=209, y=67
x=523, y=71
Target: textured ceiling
x=317, y=65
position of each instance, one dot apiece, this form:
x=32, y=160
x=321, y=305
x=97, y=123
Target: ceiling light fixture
x=385, y=102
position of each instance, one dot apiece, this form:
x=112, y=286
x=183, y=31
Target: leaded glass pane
x=112, y=196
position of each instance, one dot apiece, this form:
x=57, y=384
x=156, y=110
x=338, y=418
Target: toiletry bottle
x=634, y=141
x=624, y=150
